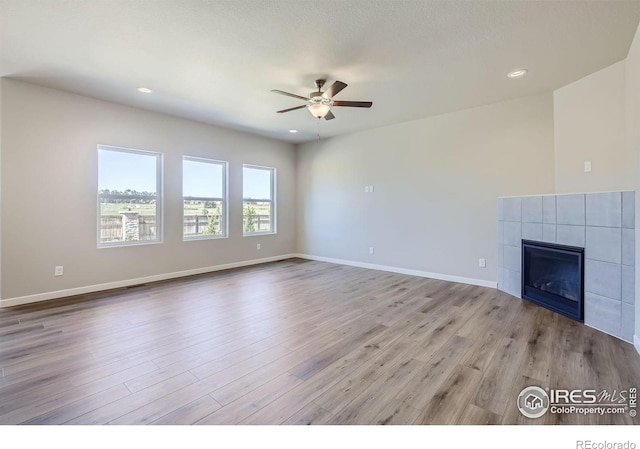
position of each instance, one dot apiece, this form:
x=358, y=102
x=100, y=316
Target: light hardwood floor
x=298, y=342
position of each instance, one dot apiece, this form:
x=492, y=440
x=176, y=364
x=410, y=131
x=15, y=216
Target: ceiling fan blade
x=292, y=109
x=334, y=89
x=281, y=92
x=353, y=104
x=329, y=116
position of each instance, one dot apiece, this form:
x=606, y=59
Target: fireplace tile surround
x=603, y=224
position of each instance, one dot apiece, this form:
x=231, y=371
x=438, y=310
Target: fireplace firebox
x=553, y=277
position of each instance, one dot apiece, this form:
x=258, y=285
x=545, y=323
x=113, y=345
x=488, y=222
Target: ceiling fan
x=319, y=103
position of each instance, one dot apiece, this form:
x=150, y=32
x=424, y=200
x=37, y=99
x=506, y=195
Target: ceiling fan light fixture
x=319, y=110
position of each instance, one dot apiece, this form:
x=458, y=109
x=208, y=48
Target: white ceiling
x=216, y=61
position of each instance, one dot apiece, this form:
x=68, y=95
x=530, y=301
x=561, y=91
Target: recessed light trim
x=144, y=90
x=517, y=73
x=293, y=131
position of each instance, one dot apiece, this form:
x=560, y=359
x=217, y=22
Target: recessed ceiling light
x=518, y=73
x=144, y=90
x=293, y=131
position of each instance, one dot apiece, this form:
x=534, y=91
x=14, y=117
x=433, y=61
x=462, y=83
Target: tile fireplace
x=603, y=224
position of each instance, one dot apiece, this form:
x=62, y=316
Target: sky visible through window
x=119, y=170
x=201, y=179
x=256, y=183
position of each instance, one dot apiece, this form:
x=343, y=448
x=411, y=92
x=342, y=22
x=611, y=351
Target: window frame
x=159, y=197
x=272, y=201
x=224, y=199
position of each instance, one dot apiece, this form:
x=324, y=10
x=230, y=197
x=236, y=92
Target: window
x=258, y=212
x=129, y=196
x=204, y=191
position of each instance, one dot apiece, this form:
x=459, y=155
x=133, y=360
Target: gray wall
x=632, y=84
x=589, y=122
x=49, y=186
x=1, y=191
x=436, y=183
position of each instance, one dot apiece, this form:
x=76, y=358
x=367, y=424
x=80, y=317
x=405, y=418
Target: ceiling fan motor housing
x=316, y=97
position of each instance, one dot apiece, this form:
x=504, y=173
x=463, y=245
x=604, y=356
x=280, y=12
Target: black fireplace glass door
x=554, y=272
x=553, y=277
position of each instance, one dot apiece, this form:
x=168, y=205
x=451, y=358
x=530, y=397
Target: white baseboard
x=129, y=282
x=410, y=272
x=636, y=342
x=20, y=300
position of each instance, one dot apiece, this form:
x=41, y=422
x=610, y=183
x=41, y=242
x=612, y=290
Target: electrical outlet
x=371, y=250
x=482, y=263
x=587, y=166
x=258, y=246
x=59, y=271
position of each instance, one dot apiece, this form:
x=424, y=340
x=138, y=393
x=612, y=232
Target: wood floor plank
x=495, y=390
x=423, y=387
x=134, y=401
x=473, y=415
x=396, y=413
x=484, y=349
x=190, y=413
x=241, y=385
x=153, y=376
x=19, y=411
x=122, y=373
x=253, y=401
x=373, y=401
x=62, y=390
x=451, y=399
x=386, y=358
x=230, y=392
x=325, y=358
x=290, y=403
x=224, y=363
x=156, y=409
x=298, y=342
x=86, y=404
x=538, y=356
x=310, y=414
x=54, y=363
